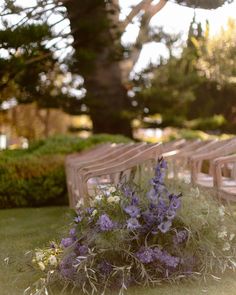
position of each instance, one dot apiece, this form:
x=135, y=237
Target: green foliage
x=24, y=36
x=112, y=245
x=30, y=228
x=211, y=123
x=205, y=4
x=36, y=177
x=197, y=89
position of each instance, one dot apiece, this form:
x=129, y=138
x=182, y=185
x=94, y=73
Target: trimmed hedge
x=36, y=176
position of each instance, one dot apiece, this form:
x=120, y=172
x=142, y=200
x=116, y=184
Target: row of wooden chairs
x=211, y=165
x=110, y=162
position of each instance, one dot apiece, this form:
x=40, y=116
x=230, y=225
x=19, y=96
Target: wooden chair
x=178, y=158
x=182, y=163
x=126, y=152
x=84, y=156
x=123, y=151
x=76, y=164
x=225, y=186
x=149, y=152
x=196, y=162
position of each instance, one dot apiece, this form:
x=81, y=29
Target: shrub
x=36, y=177
x=129, y=235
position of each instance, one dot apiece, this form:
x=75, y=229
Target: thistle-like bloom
x=105, y=268
x=165, y=258
x=105, y=223
x=133, y=224
x=133, y=211
x=66, y=266
x=180, y=237
x=67, y=242
x=145, y=255
x=83, y=250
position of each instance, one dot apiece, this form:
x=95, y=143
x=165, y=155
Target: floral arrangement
x=128, y=236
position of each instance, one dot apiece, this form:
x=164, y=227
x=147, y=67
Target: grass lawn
x=25, y=229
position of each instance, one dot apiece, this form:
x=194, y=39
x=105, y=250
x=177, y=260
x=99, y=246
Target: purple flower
x=66, y=266
x=165, y=258
x=152, y=195
x=170, y=261
x=72, y=232
x=165, y=226
x=162, y=163
x=67, y=242
x=170, y=214
x=174, y=201
x=105, y=268
x=161, y=207
x=145, y=255
x=134, y=200
x=157, y=254
x=83, y=250
x=105, y=223
x=132, y=210
x=78, y=219
x=127, y=191
x=89, y=210
x=180, y=237
x=68, y=272
x=133, y=223
x=149, y=217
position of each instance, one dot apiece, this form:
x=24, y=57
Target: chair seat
x=205, y=180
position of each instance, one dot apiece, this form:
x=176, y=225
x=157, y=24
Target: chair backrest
x=150, y=152
x=227, y=148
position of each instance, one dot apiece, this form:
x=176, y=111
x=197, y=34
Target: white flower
x=231, y=237
x=114, y=199
x=226, y=246
x=112, y=189
x=98, y=198
x=41, y=265
x=79, y=204
x=222, y=211
x=110, y=200
x=39, y=256
x=94, y=212
x=52, y=260
x=222, y=234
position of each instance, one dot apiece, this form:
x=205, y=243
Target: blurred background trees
x=86, y=69
x=198, y=88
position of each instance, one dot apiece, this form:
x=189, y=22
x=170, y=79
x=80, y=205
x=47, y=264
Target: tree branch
x=143, y=35
x=136, y=9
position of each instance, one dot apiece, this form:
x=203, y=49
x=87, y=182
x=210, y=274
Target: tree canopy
x=93, y=30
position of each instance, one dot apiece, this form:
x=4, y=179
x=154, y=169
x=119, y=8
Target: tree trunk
x=107, y=100
x=47, y=123
x=106, y=96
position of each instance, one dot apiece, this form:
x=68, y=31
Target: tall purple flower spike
x=105, y=223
